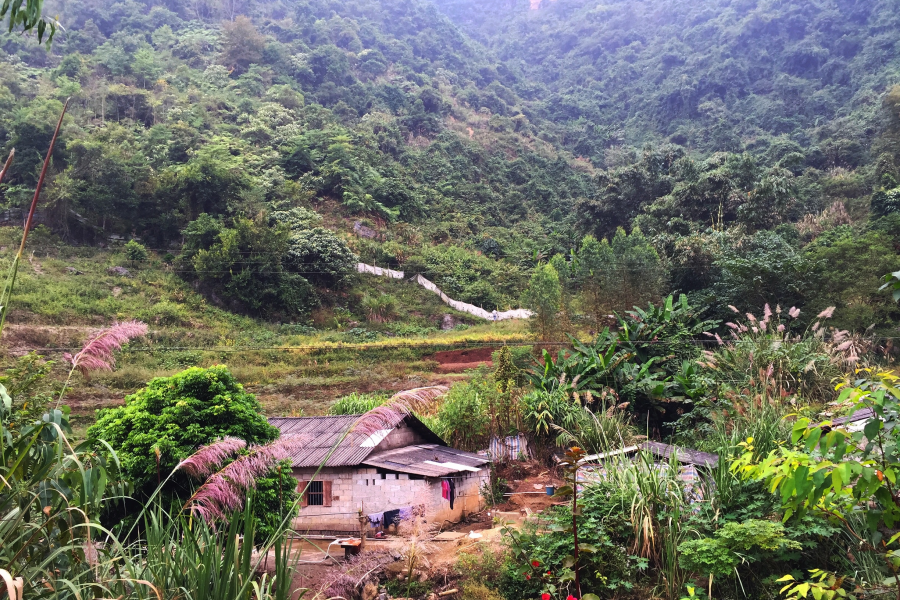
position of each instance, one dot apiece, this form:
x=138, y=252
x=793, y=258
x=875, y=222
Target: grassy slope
x=292, y=368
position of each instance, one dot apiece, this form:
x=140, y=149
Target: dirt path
x=457, y=361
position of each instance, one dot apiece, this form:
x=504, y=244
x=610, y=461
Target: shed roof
x=430, y=460
x=683, y=455
x=862, y=414
x=334, y=439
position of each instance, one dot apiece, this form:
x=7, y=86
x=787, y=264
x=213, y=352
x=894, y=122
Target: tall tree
x=242, y=44
x=544, y=298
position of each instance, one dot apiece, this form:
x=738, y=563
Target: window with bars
x=316, y=494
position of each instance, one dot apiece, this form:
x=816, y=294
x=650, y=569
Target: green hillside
x=726, y=75
x=249, y=145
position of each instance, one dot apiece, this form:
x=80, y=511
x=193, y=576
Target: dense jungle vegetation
x=242, y=142
x=699, y=202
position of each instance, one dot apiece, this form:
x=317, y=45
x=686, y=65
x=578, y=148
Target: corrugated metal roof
x=683, y=455
x=430, y=460
x=324, y=433
x=862, y=414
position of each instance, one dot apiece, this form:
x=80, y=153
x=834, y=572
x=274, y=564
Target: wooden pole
x=363, y=528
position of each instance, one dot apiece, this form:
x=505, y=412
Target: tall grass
x=653, y=497
x=357, y=404
x=596, y=431
x=798, y=362
x=380, y=308
x=177, y=557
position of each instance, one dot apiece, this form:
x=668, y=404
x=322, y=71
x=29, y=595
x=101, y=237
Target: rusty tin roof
x=331, y=441
x=429, y=460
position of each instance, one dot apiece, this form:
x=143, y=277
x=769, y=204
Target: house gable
x=401, y=436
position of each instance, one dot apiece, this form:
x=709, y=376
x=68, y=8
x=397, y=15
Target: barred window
x=316, y=494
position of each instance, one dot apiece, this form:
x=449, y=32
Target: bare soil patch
x=457, y=361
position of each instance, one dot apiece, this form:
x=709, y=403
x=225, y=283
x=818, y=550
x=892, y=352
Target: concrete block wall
x=351, y=486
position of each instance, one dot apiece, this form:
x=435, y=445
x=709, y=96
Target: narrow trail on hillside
x=471, y=309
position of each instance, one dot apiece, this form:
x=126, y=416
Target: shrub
x=733, y=545
x=493, y=491
x=463, y=420
x=171, y=417
x=321, y=255
x=478, y=591
x=356, y=404
x=250, y=266
x=481, y=565
x=135, y=252
x=165, y=313
x=605, y=566
x=380, y=308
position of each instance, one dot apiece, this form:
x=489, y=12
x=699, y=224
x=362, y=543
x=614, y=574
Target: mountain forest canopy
x=596, y=226
x=244, y=138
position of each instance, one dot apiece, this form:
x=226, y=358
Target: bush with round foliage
x=323, y=252
x=135, y=252
x=168, y=420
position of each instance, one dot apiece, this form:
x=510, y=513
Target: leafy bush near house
x=607, y=567
x=733, y=545
x=169, y=419
x=463, y=419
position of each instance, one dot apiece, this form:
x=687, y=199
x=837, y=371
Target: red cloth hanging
x=445, y=489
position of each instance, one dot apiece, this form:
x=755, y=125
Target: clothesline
x=390, y=517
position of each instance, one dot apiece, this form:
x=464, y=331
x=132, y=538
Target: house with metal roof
x=390, y=475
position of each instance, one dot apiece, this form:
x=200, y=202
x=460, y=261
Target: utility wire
x=332, y=346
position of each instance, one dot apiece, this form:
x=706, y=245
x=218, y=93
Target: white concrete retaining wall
x=471, y=309
x=372, y=270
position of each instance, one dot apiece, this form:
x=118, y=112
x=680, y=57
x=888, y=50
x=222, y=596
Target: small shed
x=685, y=456
x=395, y=473
x=693, y=465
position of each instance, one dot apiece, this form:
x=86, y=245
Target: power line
x=464, y=345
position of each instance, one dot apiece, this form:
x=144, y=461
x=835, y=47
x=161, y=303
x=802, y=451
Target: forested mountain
x=724, y=75
x=748, y=148
x=361, y=109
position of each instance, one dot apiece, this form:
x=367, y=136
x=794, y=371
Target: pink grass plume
x=207, y=460
x=827, y=313
x=98, y=353
x=226, y=489
x=397, y=408
x=794, y=312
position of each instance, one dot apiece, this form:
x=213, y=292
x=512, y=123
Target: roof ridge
x=313, y=417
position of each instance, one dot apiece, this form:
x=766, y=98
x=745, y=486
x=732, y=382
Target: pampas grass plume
x=226, y=489
x=98, y=353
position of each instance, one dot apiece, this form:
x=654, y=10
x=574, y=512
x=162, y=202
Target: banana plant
x=50, y=497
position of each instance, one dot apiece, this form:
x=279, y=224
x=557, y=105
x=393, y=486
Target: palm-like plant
x=50, y=497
